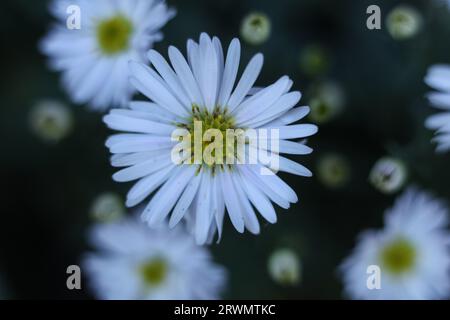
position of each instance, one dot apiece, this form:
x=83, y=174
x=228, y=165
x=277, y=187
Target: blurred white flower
x=134, y=262
x=284, y=267
x=333, y=170
x=107, y=207
x=314, y=60
x=94, y=59
x=388, y=175
x=412, y=252
x=404, y=22
x=51, y=120
x=327, y=102
x=256, y=28
x=201, y=90
x=438, y=77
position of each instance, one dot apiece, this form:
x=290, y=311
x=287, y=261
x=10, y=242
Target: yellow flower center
x=153, y=272
x=114, y=34
x=210, y=133
x=398, y=257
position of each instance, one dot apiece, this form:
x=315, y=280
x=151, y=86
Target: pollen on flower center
x=153, y=272
x=114, y=34
x=206, y=126
x=398, y=256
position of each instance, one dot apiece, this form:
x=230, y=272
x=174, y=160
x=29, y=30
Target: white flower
x=51, y=120
x=327, y=102
x=333, y=170
x=284, y=267
x=412, y=252
x=388, y=175
x=202, y=90
x=256, y=28
x=438, y=78
x=404, y=22
x=133, y=262
x=107, y=207
x=94, y=59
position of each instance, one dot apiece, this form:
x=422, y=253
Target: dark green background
x=47, y=189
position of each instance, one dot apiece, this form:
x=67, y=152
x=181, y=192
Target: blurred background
x=375, y=78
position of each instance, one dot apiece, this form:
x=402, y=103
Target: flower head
x=314, y=60
x=135, y=262
x=284, y=267
x=403, y=22
x=256, y=28
x=107, y=207
x=94, y=58
x=327, y=102
x=388, y=175
x=333, y=170
x=411, y=252
x=51, y=120
x=438, y=77
x=197, y=101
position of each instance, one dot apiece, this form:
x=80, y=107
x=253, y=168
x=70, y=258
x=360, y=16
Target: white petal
x=169, y=76
x=185, y=200
x=259, y=200
x=125, y=123
x=250, y=219
x=185, y=75
x=248, y=78
x=166, y=197
x=257, y=104
x=438, y=77
x=151, y=85
x=204, y=214
x=296, y=131
x=142, y=169
x=145, y=186
x=284, y=103
x=230, y=71
x=231, y=201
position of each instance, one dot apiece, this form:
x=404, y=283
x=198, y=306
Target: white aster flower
x=404, y=22
x=256, y=28
x=134, y=262
x=284, y=267
x=438, y=77
x=51, y=120
x=327, y=102
x=333, y=170
x=107, y=207
x=388, y=175
x=203, y=89
x=94, y=59
x=412, y=252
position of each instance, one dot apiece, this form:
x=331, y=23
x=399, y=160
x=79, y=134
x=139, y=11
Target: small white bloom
x=411, y=251
x=388, y=175
x=327, y=102
x=51, y=120
x=284, y=267
x=404, y=22
x=333, y=170
x=438, y=77
x=107, y=207
x=94, y=59
x=256, y=28
x=202, y=89
x=134, y=262
x=314, y=60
